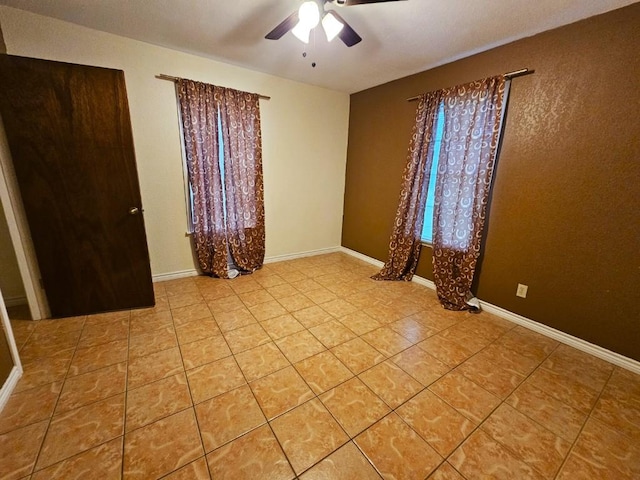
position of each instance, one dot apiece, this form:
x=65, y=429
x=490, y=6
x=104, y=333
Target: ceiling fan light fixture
x=309, y=14
x=301, y=32
x=331, y=26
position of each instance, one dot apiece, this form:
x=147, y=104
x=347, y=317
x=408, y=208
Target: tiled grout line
x=386, y=358
x=53, y=411
x=193, y=404
x=573, y=444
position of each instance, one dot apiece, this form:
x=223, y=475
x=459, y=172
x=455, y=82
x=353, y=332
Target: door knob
x=134, y=211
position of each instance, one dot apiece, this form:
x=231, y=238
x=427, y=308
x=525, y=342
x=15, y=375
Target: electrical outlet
x=522, y=290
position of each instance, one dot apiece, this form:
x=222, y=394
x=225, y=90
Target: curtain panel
x=228, y=216
x=472, y=124
x=473, y=119
x=404, y=246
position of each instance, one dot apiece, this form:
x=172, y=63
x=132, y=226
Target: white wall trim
x=9, y=385
x=293, y=256
x=163, y=277
x=15, y=301
x=562, y=337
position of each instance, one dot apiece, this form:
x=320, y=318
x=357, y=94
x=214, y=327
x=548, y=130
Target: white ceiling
x=399, y=38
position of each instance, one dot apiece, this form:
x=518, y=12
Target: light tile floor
x=308, y=369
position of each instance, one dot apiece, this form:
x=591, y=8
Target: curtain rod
x=162, y=76
x=508, y=76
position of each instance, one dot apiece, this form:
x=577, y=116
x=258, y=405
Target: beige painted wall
x=304, y=172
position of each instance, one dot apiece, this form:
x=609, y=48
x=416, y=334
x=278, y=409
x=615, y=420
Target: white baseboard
x=15, y=301
x=9, y=385
x=293, y=256
x=562, y=337
x=163, y=277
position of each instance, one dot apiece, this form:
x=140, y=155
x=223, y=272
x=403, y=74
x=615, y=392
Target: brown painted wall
x=565, y=212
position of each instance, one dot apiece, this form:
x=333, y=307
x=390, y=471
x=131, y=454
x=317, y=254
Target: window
x=427, y=226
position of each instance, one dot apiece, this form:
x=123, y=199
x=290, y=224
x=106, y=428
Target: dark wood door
x=69, y=133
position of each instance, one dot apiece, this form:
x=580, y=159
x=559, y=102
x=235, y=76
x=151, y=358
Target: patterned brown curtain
x=404, y=247
x=473, y=118
x=230, y=217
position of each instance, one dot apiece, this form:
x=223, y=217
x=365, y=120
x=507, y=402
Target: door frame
x=20, y=233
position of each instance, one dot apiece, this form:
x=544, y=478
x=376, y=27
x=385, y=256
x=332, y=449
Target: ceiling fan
x=311, y=13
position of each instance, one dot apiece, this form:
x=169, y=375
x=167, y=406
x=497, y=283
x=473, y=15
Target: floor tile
x=282, y=326
x=227, y=416
x=312, y=316
x=49, y=345
x=104, y=332
x=29, y=406
x=81, y=429
x=535, y=445
x=549, y=412
x=299, y=346
x=357, y=355
x=267, y=310
x=391, y=383
x=214, y=379
x=346, y=463
x=228, y=321
x=386, y=341
x=281, y=391
x=156, y=400
x=321, y=295
x=482, y=457
x=436, y=422
x=579, y=366
x=256, y=297
x=157, y=340
x=323, y=371
x=296, y=302
x=412, y=330
x=396, y=450
x=493, y=378
x=183, y=300
x=420, y=365
x=621, y=412
x=445, y=350
x=565, y=388
x=465, y=396
x=19, y=450
x=148, y=322
x=355, y=406
x=308, y=434
x=601, y=452
x=93, y=358
x=254, y=455
x=226, y=304
x=446, y=472
x=246, y=338
x=196, y=470
x=199, y=364
x=162, y=447
x=91, y=387
x=332, y=333
x=261, y=361
x=103, y=461
x=203, y=351
x=528, y=343
x=44, y=370
x=153, y=367
x=359, y=322
x=190, y=313
x=508, y=359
